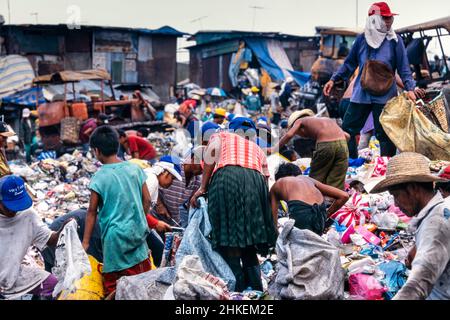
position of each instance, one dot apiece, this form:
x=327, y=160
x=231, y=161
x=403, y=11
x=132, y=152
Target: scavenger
x=330, y=160
x=305, y=198
x=119, y=199
x=137, y=147
x=235, y=178
x=409, y=180
x=21, y=228
x=379, y=52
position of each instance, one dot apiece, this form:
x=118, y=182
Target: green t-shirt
x=121, y=215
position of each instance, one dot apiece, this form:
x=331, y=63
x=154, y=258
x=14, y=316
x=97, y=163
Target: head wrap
x=376, y=31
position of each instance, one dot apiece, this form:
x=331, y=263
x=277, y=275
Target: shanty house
x=277, y=53
x=131, y=56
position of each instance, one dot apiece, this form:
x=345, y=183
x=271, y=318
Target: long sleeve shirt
x=430, y=274
x=390, y=52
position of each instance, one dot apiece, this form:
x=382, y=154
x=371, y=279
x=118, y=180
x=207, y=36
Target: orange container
x=51, y=113
x=79, y=111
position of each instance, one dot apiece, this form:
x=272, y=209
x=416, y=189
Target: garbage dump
x=365, y=246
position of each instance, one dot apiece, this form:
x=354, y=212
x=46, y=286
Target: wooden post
x=103, y=96
x=73, y=89
x=66, y=113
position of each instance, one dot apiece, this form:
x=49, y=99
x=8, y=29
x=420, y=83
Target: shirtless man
x=305, y=198
x=330, y=159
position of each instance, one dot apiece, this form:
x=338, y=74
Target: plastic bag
x=90, y=287
x=386, y=220
x=354, y=212
x=365, y=287
x=71, y=261
x=395, y=276
x=193, y=283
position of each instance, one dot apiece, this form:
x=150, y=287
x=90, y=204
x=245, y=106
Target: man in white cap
x=5, y=133
x=409, y=180
x=330, y=160
x=27, y=132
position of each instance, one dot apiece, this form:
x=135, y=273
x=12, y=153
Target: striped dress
x=238, y=196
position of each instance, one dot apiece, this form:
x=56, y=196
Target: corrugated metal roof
x=165, y=30
x=203, y=38
x=210, y=36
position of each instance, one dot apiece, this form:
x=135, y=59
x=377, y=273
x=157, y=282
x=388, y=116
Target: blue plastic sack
x=195, y=242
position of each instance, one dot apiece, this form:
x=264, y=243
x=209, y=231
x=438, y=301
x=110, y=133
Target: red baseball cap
x=382, y=9
x=445, y=174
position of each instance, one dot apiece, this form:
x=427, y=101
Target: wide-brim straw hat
x=406, y=167
x=299, y=114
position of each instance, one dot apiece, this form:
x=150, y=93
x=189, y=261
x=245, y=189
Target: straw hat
x=299, y=114
x=406, y=167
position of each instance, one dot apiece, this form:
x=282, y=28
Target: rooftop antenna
x=254, y=14
x=35, y=14
x=200, y=21
x=9, y=13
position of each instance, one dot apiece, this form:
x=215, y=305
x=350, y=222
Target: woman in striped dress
x=235, y=179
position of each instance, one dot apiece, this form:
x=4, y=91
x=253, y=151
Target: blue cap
x=209, y=126
x=231, y=116
x=171, y=164
x=262, y=119
x=13, y=194
x=284, y=124
x=242, y=123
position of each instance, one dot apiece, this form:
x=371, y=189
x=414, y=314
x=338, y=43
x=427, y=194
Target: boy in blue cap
x=21, y=228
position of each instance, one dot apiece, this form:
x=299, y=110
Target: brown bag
x=377, y=78
x=70, y=128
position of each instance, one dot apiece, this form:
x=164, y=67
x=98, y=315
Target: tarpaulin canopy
x=273, y=58
x=73, y=76
x=16, y=74
x=26, y=97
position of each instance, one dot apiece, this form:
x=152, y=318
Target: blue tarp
x=25, y=97
x=300, y=77
x=260, y=49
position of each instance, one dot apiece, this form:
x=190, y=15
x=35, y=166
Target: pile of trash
x=58, y=186
x=371, y=235
x=162, y=142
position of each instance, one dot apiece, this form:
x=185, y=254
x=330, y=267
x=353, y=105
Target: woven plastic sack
x=193, y=283
x=411, y=131
x=70, y=129
x=195, y=242
x=71, y=261
x=309, y=268
x=144, y=286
